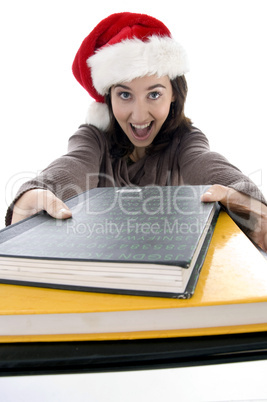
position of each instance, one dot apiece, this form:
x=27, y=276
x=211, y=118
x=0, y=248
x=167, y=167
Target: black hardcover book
x=130, y=240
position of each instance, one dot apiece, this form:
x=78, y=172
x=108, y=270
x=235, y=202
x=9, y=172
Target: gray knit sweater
x=88, y=164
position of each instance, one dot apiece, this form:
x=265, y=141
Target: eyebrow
x=148, y=89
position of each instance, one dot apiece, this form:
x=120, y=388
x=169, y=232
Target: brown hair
x=121, y=146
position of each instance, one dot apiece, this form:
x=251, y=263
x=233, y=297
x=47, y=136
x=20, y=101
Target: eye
x=154, y=95
x=124, y=95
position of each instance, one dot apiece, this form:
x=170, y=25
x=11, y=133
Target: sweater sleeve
x=198, y=165
x=72, y=173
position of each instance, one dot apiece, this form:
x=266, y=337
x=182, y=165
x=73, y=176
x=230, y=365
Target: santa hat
x=120, y=48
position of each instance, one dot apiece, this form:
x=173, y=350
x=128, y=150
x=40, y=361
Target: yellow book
x=230, y=297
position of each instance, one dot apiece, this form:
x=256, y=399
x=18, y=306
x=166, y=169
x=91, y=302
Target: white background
x=228, y=382
x=42, y=105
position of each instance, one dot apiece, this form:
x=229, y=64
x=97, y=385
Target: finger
x=260, y=235
x=264, y=247
x=215, y=193
x=56, y=208
x=63, y=213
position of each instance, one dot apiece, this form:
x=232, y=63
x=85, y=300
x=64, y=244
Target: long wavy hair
x=119, y=144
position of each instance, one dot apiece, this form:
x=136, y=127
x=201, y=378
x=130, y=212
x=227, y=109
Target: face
x=141, y=106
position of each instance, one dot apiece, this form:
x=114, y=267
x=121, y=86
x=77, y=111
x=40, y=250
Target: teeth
x=140, y=126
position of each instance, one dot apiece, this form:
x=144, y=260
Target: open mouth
x=141, y=131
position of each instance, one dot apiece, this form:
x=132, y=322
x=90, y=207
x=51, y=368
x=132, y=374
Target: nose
x=140, y=112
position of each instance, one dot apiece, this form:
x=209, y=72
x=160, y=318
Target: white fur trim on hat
x=98, y=115
x=133, y=58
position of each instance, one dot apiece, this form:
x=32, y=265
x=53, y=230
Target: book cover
x=132, y=240
x=230, y=297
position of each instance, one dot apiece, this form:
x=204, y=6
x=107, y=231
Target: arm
x=67, y=176
x=235, y=191
x=198, y=165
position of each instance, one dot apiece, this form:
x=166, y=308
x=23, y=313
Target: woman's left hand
x=250, y=213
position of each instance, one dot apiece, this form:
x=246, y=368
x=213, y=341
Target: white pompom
x=98, y=115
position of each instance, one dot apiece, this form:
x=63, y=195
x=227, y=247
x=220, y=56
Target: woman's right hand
x=37, y=200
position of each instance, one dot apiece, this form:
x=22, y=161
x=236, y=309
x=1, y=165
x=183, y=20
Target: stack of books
x=131, y=264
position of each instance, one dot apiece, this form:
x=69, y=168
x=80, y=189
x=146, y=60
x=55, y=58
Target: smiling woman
x=155, y=93
x=141, y=108
x=136, y=132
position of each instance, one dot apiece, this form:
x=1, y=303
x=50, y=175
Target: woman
x=136, y=132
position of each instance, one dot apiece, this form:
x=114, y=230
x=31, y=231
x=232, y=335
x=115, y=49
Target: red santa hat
x=120, y=48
